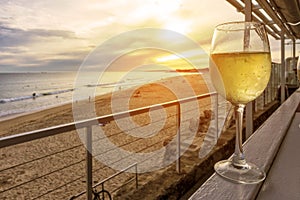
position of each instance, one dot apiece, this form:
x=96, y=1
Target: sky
x=58, y=35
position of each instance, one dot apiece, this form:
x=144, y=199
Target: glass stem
x=238, y=157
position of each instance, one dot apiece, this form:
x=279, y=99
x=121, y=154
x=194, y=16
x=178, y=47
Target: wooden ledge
x=261, y=149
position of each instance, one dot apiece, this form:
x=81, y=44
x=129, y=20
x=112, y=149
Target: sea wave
x=34, y=95
x=105, y=84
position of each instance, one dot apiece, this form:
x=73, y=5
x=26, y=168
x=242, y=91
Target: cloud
x=35, y=63
x=14, y=37
x=39, y=49
x=58, y=34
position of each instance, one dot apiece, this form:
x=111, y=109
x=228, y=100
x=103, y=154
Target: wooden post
x=249, y=106
x=89, y=163
x=282, y=76
x=178, y=138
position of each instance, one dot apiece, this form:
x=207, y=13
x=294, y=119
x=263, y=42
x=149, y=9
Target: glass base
x=247, y=173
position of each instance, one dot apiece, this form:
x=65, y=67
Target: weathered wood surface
x=261, y=149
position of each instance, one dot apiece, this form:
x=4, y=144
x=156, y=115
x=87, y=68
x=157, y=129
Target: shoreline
x=22, y=114
x=8, y=122
x=8, y=116
x=34, y=168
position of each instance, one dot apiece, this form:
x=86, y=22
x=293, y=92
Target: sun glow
x=173, y=61
x=71, y=29
x=195, y=58
x=180, y=26
x=183, y=55
x=167, y=58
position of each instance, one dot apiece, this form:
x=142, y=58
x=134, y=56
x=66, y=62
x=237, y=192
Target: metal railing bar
x=77, y=146
x=121, y=132
x=136, y=177
x=82, y=161
x=133, y=113
x=83, y=192
x=178, y=134
x=89, y=163
x=137, y=152
x=59, y=187
x=173, y=115
x=170, y=116
x=39, y=177
x=123, y=145
x=104, y=168
x=137, y=111
x=128, y=143
x=114, y=175
x=42, y=157
x=65, y=184
x=69, y=182
x=38, y=134
x=184, y=139
x=123, y=157
x=114, y=162
x=106, y=179
x=132, y=179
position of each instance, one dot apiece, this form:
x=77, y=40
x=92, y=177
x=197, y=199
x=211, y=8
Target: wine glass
x=240, y=67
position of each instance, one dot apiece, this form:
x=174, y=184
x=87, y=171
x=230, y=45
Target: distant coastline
x=188, y=70
x=192, y=70
x=50, y=88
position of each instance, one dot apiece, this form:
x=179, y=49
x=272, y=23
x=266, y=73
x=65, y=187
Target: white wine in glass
x=240, y=67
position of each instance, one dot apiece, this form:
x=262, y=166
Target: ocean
x=22, y=93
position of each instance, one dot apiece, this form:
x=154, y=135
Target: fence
x=109, y=178
x=12, y=140
x=9, y=141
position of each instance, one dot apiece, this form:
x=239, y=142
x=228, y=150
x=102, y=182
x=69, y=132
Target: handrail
x=46, y=132
x=108, y=178
x=102, y=120
x=6, y=141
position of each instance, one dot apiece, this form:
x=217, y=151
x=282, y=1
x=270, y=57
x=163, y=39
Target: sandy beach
x=54, y=167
